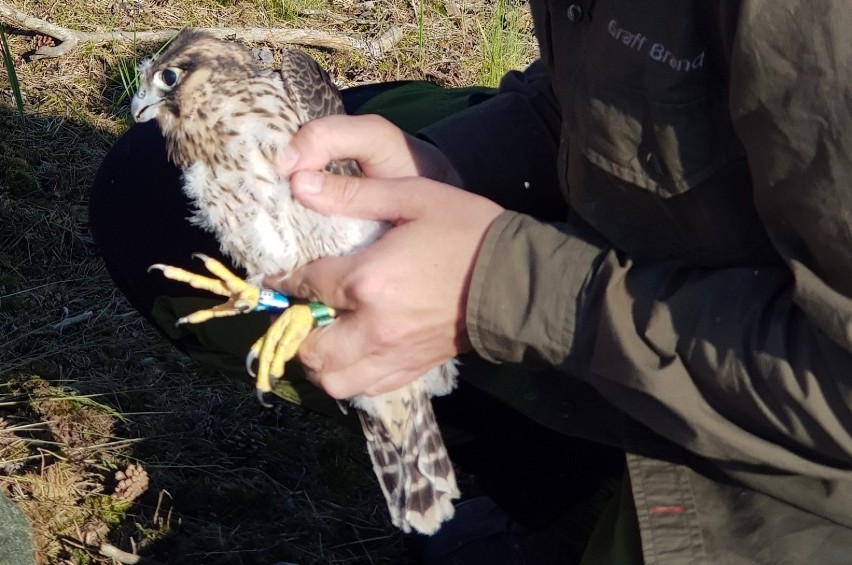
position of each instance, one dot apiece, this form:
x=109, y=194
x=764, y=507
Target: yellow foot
x=242, y=296
x=281, y=342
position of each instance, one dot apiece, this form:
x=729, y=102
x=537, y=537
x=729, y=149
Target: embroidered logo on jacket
x=656, y=51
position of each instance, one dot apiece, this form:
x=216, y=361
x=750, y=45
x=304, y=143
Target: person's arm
x=736, y=364
x=739, y=365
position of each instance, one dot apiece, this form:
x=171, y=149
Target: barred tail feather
x=409, y=456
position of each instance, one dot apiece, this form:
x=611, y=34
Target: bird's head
x=168, y=81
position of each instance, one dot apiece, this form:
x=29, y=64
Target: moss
x=10, y=283
x=111, y=510
x=20, y=183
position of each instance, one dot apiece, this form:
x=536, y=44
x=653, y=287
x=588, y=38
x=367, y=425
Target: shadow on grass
x=229, y=481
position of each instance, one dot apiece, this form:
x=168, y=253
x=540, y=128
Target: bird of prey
x=224, y=118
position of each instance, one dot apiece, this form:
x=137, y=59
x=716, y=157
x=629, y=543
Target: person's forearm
x=720, y=361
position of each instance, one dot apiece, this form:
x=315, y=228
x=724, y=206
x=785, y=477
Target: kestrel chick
x=224, y=118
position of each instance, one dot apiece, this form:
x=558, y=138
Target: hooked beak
x=144, y=105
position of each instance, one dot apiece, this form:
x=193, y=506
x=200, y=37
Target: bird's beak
x=144, y=105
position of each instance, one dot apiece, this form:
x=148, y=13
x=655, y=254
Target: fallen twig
x=71, y=320
x=113, y=552
x=71, y=38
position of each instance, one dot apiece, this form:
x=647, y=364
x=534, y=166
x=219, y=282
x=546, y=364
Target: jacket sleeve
x=521, y=120
x=744, y=365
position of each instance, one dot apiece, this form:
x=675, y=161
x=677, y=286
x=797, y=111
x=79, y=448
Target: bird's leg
x=242, y=296
x=281, y=342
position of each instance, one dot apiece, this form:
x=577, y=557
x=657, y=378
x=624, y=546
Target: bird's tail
x=409, y=456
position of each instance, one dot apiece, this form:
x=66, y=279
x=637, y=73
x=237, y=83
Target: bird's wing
x=309, y=87
x=313, y=95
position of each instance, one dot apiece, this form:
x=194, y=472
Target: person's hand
x=402, y=300
x=381, y=149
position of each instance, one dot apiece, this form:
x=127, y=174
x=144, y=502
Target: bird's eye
x=168, y=78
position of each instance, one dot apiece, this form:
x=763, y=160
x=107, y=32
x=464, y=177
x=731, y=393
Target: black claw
x=261, y=397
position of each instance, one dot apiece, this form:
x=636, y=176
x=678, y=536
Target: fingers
x=388, y=200
x=323, y=280
x=338, y=359
x=348, y=383
x=320, y=359
x=402, y=299
x=381, y=149
x=371, y=140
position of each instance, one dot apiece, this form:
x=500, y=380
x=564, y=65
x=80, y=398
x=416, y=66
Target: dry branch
x=70, y=38
x=113, y=552
x=71, y=320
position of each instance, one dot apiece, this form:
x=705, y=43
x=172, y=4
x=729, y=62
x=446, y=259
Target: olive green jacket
x=700, y=276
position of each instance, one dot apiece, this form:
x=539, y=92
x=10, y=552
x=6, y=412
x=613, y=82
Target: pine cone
x=132, y=483
x=40, y=41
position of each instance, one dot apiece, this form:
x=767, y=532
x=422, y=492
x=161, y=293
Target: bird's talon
x=242, y=296
x=279, y=345
x=261, y=398
x=249, y=362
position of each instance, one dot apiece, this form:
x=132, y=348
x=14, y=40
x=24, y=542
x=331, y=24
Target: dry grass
x=87, y=390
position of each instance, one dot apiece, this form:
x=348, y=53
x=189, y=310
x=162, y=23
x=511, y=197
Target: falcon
x=224, y=118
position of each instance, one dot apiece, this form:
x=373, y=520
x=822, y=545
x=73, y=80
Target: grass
x=505, y=41
x=83, y=402
x=11, y=74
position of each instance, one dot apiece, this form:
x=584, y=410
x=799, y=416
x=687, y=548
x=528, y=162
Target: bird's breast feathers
x=258, y=223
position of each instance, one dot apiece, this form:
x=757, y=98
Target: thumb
x=370, y=140
x=388, y=200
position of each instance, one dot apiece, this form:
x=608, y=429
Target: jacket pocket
x=663, y=177
x=666, y=147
